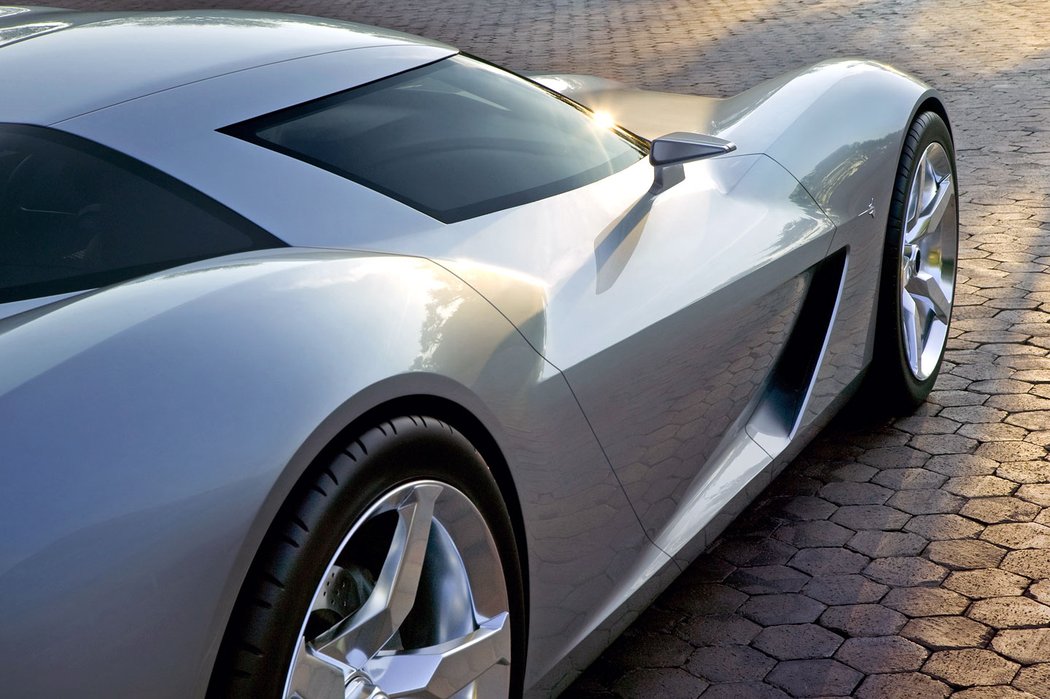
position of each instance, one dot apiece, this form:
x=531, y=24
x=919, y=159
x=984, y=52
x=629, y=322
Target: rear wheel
x=917, y=288
x=392, y=572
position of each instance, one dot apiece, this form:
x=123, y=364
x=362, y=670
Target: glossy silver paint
x=172, y=507
x=617, y=344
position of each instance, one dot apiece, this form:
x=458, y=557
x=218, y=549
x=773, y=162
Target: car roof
x=58, y=64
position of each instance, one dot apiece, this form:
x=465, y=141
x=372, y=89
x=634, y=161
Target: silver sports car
x=337, y=363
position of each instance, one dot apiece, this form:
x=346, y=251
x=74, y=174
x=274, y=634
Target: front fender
x=837, y=126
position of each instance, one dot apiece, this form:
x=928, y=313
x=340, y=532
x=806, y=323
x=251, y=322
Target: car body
x=635, y=364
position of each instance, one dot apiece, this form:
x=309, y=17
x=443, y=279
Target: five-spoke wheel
x=927, y=259
x=392, y=573
x=918, y=273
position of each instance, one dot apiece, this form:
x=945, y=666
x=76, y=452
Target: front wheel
x=917, y=287
x=392, y=572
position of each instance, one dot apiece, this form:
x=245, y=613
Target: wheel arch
x=931, y=102
x=466, y=422
x=328, y=439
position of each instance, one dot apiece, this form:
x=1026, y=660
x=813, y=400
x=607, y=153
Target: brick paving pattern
x=908, y=558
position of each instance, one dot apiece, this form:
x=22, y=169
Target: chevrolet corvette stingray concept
x=337, y=363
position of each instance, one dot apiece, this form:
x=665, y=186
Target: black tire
x=263, y=633
x=891, y=383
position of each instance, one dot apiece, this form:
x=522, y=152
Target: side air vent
x=778, y=412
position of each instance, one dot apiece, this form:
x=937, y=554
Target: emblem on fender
x=870, y=210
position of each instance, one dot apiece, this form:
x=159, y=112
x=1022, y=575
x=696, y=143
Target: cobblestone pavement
x=904, y=559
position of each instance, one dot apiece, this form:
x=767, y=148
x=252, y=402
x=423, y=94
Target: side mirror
x=667, y=154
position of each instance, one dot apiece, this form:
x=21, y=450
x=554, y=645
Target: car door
x=668, y=314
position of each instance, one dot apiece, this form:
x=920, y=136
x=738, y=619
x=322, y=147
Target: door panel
x=664, y=313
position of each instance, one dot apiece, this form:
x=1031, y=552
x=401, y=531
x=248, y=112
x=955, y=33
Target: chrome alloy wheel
x=927, y=260
x=413, y=604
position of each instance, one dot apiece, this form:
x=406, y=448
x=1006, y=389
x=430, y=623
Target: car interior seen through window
x=454, y=139
x=75, y=215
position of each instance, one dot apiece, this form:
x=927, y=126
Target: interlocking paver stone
x=782, y=609
x=846, y=493
x=909, y=478
x=1010, y=451
x=943, y=443
x=708, y=598
x=652, y=649
x=962, y=465
x=729, y=664
x=828, y=561
x=1025, y=471
x=881, y=654
x=660, y=682
x=858, y=473
x=894, y=457
x=744, y=690
x=1008, y=612
x=925, y=601
x=861, y=517
x=1040, y=591
x=879, y=544
x=1026, y=646
x=1034, y=679
x=979, y=486
x=1034, y=420
x=808, y=507
x=926, y=502
x=818, y=533
x=909, y=685
x=986, y=583
x=718, y=630
x=928, y=425
x=946, y=632
x=1024, y=535
x=1037, y=493
x=970, y=666
x=939, y=527
x=660, y=621
x=999, y=510
x=956, y=398
x=759, y=580
x=1032, y=563
x=905, y=571
x=708, y=569
x=813, y=678
x=844, y=589
x=965, y=553
x=998, y=692
x=974, y=414
x=863, y=620
x=993, y=432
x=797, y=642
x=755, y=551
x=1000, y=386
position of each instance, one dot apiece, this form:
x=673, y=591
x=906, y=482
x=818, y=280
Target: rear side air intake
x=778, y=412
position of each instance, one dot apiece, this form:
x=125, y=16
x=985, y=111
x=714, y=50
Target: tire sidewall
x=928, y=128
x=382, y=460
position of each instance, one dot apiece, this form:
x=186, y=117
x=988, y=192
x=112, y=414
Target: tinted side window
x=75, y=215
x=454, y=139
